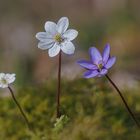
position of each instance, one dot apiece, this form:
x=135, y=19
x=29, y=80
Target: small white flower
x=6, y=79
x=57, y=37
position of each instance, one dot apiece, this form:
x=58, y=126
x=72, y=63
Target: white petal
x=68, y=48
x=10, y=78
x=45, y=45
x=13, y=74
x=62, y=25
x=4, y=85
x=54, y=50
x=10, y=75
x=43, y=36
x=51, y=28
x=70, y=34
x=2, y=75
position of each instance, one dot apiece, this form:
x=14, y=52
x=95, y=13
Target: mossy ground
x=94, y=109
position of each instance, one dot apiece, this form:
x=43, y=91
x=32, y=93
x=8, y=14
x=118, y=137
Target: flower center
x=58, y=38
x=100, y=66
x=3, y=81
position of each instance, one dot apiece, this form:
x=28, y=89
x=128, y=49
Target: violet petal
x=87, y=64
x=110, y=62
x=106, y=53
x=95, y=55
x=103, y=71
x=90, y=74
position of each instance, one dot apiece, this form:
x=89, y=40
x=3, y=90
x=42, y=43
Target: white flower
x=57, y=37
x=6, y=79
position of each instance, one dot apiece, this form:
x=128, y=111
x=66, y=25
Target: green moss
x=95, y=111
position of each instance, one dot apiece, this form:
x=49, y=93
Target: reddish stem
x=59, y=87
x=20, y=108
x=123, y=99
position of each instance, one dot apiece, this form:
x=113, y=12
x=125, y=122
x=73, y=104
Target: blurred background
x=98, y=21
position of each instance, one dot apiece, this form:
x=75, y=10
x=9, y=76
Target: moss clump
x=95, y=111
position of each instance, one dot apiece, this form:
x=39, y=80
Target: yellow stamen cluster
x=58, y=38
x=100, y=66
x=4, y=81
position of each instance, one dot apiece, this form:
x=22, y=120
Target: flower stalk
x=123, y=99
x=20, y=108
x=59, y=87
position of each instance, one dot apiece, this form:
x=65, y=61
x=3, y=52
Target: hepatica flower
x=99, y=64
x=56, y=37
x=6, y=79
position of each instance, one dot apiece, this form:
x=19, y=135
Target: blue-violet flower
x=99, y=64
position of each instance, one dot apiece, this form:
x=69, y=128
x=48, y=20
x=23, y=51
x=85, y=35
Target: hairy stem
x=20, y=108
x=59, y=87
x=123, y=99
